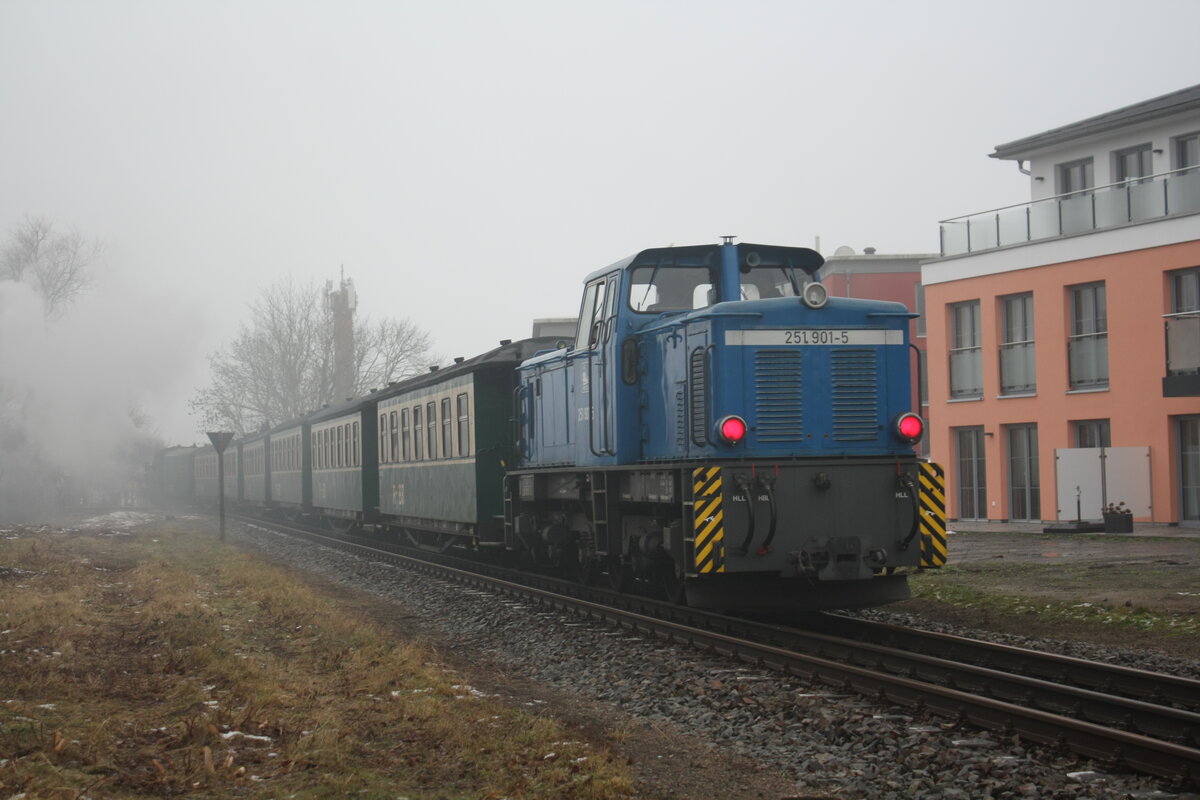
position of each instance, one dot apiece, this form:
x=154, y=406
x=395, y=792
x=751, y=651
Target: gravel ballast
x=831, y=744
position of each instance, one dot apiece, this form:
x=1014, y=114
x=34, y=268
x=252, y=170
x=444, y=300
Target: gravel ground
x=826, y=744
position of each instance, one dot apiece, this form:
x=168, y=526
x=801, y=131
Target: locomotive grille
x=680, y=416
x=779, y=400
x=855, y=396
x=698, y=390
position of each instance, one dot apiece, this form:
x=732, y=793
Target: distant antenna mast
x=341, y=302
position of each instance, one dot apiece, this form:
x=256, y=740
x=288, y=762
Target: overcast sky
x=468, y=162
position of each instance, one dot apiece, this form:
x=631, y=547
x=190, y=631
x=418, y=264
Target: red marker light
x=733, y=429
x=910, y=427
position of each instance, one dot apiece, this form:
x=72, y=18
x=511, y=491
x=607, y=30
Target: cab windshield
x=661, y=289
x=760, y=283
x=658, y=289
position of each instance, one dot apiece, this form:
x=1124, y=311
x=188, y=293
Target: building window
x=1189, y=469
x=919, y=306
x=1075, y=176
x=1092, y=433
x=1018, y=373
x=972, y=473
x=1183, y=323
x=1187, y=151
x=1024, y=501
x=966, y=363
x=1087, y=344
x=1132, y=163
x=464, y=429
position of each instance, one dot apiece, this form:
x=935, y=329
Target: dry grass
x=159, y=664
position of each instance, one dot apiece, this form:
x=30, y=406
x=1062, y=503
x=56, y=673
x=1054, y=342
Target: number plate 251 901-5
x=813, y=336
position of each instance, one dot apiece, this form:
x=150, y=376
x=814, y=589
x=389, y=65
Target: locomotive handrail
x=906, y=314
x=765, y=547
x=907, y=482
x=712, y=315
x=518, y=408
x=745, y=487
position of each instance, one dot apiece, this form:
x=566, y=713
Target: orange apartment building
x=1064, y=332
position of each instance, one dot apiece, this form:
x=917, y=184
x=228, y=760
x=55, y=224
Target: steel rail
x=1156, y=687
x=1165, y=759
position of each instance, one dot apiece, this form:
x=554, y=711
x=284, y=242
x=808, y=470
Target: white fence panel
x=1101, y=475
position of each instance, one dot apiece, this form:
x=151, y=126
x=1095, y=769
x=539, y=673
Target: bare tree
x=55, y=264
x=388, y=351
x=280, y=365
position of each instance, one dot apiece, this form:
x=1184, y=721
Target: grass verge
x=1148, y=599
x=161, y=664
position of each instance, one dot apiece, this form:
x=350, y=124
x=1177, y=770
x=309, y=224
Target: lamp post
x=220, y=439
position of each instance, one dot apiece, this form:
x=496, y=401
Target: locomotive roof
x=709, y=255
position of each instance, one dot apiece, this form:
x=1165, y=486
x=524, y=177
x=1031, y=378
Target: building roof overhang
x=1167, y=105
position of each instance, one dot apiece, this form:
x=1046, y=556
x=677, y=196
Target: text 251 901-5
x=816, y=337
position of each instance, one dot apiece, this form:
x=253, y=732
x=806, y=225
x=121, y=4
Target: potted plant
x=1118, y=518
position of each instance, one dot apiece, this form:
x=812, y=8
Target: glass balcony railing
x=1138, y=200
x=1183, y=343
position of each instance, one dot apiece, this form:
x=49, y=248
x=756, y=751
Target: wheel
x=670, y=584
x=618, y=573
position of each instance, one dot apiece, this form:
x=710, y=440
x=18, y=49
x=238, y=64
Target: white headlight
x=815, y=295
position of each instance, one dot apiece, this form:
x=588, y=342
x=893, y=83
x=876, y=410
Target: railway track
x=1143, y=721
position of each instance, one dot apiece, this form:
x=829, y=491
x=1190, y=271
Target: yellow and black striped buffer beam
x=932, y=496
x=708, y=520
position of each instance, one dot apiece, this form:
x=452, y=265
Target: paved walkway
x=1143, y=529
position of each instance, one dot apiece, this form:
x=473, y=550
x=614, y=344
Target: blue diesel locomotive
x=720, y=432
x=723, y=429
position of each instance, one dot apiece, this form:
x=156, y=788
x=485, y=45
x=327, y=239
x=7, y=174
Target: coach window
x=463, y=427
x=447, y=430
x=403, y=432
x=418, y=432
x=354, y=450
x=431, y=428
x=393, y=437
x=339, y=453
x=383, y=438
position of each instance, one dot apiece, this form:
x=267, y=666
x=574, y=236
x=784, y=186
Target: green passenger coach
x=443, y=442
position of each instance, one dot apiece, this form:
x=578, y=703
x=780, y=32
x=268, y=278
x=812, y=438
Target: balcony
x=1155, y=197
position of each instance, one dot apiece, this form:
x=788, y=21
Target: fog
x=467, y=163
